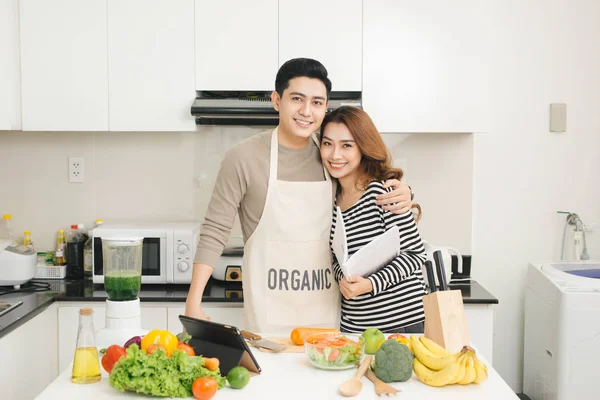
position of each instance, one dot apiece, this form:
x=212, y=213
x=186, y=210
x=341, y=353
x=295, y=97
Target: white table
x=289, y=376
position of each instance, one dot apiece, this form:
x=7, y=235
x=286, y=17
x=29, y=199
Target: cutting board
x=290, y=346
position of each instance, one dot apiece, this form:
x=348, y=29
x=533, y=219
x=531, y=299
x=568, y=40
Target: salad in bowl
x=334, y=350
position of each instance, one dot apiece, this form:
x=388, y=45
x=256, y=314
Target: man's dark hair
x=298, y=67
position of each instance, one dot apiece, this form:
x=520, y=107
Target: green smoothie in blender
x=122, y=288
x=122, y=267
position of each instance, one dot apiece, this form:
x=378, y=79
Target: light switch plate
x=558, y=117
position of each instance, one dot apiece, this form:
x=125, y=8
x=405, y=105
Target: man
x=284, y=196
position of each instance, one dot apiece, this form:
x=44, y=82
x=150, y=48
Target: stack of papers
x=368, y=259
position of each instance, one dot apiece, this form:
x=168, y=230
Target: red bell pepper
x=112, y=355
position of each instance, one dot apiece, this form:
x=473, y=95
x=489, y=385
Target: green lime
x=238, y=377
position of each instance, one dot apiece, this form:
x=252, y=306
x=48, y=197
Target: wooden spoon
x=381, y=388
x=353, y=386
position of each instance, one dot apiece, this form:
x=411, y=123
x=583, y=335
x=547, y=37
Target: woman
x=390, y=299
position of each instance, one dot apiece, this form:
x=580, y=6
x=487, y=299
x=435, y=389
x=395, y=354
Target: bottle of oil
x=61, y=247
x=86, y=365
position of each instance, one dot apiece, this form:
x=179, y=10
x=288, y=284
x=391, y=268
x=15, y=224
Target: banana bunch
x=435, y=366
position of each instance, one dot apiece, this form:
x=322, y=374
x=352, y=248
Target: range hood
x=251, y=108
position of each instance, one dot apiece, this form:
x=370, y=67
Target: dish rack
x=51, y=272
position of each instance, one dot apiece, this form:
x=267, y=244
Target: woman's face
x=339, y=152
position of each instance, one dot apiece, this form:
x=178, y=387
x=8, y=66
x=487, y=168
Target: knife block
x=445, y=321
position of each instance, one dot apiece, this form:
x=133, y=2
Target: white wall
x=439, y=169
x=156, y=175
x=546, y=51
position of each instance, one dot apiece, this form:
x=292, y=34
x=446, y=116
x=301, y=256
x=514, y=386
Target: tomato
x=153, y=347
x=334, y=355
x=186, y=348
x=204, y=388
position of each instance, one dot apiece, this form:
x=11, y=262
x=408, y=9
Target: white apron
x=288, y=277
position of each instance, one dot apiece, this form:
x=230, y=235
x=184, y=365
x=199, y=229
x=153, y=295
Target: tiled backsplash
x=170, y=175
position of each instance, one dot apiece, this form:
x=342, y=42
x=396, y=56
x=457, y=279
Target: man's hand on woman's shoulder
x=399, y=200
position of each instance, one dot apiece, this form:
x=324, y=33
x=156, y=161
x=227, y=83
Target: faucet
x=574, y=220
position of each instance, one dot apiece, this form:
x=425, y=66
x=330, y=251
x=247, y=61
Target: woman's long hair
x=376, y=162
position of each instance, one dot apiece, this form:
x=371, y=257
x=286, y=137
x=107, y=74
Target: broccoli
x=393, y=362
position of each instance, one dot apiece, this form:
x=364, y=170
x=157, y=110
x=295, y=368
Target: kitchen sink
x=6, y=307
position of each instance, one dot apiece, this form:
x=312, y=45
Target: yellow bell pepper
x=400, y=339
x=164, y=338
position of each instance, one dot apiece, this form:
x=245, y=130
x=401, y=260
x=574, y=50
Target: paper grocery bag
x=445, y=321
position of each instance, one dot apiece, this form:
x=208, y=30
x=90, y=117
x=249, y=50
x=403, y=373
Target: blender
x=122, y=281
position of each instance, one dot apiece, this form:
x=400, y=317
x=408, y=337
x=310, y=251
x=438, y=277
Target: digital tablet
x=225, y=342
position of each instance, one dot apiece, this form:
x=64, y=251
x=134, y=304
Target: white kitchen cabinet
x=328, y=31
x=151, y=65
x=223, y=313
x=29, y=357
x=64, y=65
x=425, y=65
x=154, y=316
x=10, y=74
x=236, y=44
x=480, y=323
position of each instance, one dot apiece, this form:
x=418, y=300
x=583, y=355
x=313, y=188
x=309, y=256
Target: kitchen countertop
x=216, y=291
x=290, y=375
x=86, y=291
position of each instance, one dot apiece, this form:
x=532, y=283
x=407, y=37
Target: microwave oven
x=167, y=254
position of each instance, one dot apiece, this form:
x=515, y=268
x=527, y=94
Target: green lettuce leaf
x=158, y=375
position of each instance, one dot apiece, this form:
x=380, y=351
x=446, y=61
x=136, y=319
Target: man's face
x=302, y=107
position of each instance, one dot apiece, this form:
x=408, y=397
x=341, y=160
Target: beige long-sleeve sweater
x=241, y=188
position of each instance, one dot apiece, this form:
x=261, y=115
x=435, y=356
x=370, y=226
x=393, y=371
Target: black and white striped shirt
x=398, y=288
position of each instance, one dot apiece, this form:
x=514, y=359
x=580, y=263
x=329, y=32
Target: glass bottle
x=7, y=232
x=60, y=258
x=83, y=232
x=88, y=261
x=86, y=365
x=27, y=242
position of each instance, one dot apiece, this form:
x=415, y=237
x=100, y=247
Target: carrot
x=297, y=336
x=211, y=363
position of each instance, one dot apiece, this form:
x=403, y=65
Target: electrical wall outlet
x=76, y=170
